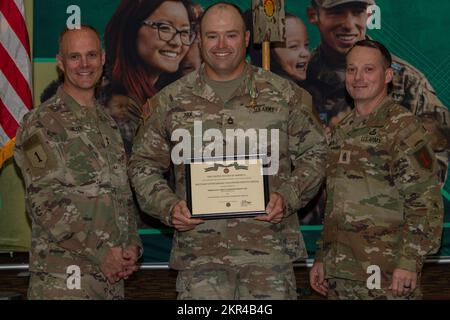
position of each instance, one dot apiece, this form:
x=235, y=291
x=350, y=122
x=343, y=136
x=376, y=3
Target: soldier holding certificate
x=232, y=257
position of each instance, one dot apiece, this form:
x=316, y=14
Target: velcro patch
x=35, y=152
x=415, y=139
x=40, y=158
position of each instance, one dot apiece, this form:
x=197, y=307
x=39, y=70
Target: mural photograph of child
x=291, y=58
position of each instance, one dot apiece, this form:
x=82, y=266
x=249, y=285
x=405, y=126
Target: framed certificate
x=220, y=188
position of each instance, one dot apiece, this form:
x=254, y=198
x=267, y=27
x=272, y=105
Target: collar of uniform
x=68, y=100
x=202, y=89
x=246, y=84
x=72, y=104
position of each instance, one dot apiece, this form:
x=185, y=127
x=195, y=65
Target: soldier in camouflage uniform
x=77, y=191
x=341, y=23
x=236, y=258
x=384, y=207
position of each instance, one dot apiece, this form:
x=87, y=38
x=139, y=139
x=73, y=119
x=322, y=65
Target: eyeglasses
x=167, y=32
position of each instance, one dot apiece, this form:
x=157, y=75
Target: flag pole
x=268, y=26
x=266, y=55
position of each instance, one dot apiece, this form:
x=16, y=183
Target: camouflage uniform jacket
x=280, y=105
x=325, y=82
x=384, y=204
x=77, y=191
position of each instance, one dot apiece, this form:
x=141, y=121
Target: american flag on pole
x=15, y=73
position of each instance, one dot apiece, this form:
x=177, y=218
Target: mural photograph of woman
x=145, y=42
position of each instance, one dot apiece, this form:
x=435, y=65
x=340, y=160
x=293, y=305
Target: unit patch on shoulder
x=423, y=158
x=40, y=158
x=35, y=152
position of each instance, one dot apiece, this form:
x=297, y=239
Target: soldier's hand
x=130, y=255
x=317, y=278
x=181, y=217
x=404, y=282
x=112, y=264
x=275, y=209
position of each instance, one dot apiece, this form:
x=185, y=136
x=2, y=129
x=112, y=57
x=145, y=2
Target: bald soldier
x=84, y=235
x=384, y=209
x=234, y=258
x=341, y=24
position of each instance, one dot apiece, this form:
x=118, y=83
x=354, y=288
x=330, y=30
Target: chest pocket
x=376, y=152
x=83, y=162
x=368, y=152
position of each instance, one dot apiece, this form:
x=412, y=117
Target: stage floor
x=160, y=284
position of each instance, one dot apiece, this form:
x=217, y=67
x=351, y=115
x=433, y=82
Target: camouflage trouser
x=53, y=286
x=250, y=281
x=344, y=289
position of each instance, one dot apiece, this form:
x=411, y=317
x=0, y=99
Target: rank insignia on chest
x=344, y=157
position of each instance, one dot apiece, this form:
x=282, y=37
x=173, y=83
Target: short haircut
x=223, y=3
x=368, y=43
x=82, y=26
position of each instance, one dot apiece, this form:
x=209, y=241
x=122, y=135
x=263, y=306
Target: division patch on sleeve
x=40, y=158
x=423, y=158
